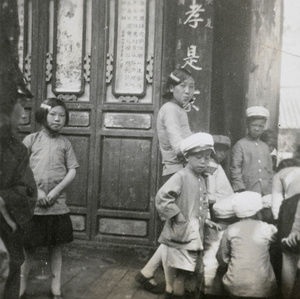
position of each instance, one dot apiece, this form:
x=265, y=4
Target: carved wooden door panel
x=128, y=103
x=99, y=57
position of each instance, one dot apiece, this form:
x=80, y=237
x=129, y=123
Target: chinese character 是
x=194, y=14
x=192, y=58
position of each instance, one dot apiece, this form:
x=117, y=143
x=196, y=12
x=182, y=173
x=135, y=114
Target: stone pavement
x=93, y=273
x=98, y=273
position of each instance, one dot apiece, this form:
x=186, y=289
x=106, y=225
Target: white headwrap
x=247, y=204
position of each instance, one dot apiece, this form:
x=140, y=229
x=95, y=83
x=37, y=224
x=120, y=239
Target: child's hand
x=292, y=240
x=52, y=197
x=212, y=224
x=42, y=199
x=180, y=217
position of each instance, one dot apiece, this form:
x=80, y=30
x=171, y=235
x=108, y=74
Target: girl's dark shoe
x=147, y=285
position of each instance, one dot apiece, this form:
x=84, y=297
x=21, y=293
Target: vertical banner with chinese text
x=194, y=52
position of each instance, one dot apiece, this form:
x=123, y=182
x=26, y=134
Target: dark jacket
x=19, y=192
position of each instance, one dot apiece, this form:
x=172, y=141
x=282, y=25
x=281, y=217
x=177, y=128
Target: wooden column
x=265, y=57
x=194, y=52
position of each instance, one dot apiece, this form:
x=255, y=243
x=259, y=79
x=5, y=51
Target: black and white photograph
x=149, y=149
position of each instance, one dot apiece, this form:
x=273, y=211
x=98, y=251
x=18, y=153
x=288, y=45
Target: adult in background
x=172, y=127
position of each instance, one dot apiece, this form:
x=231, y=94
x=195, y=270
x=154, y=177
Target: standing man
x=17, y=186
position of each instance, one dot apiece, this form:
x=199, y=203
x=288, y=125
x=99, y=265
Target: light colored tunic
x=285, y=185
x=218, y=186
x=51, y=157
x=245, y=248
x=186, y=193
x=172, y=127
x=251, y=166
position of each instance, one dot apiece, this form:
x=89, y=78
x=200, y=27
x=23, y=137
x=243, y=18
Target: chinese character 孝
x=194, y=14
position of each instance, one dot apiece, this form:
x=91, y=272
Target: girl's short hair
x=47, y=105
x=175, y=78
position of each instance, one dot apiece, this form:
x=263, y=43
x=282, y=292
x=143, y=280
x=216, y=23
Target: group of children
x=217, y=236
x=215, y=239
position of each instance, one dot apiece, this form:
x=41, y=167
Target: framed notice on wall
x=130, y=48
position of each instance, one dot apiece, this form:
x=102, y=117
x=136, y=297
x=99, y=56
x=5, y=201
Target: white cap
x=247, y=204
x=196, y=143
x=257, y=111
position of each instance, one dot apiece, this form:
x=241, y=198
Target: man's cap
x=257, y=111
x=221, y=139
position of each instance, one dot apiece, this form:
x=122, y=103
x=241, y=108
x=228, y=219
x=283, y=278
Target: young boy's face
x=198, y=162
x=220, y=152
x=256, y=127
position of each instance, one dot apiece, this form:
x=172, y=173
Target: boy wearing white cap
x=251, y=164
x=182, y=203
x=244, y=249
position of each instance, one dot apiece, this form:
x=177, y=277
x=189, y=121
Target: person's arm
x=20, y=198
x=293, y=238
x=166, y=197
x=223, y=254
x=6, y=215
x=174, y=130
x=54, y=193
x=236, y=168
x=270, y=172
x=223, y=187
x=277, y=194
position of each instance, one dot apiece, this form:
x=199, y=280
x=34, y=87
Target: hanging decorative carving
x=109, y=67
x=87, y=67
x=67, y=97
x=27, y=68
x=49, y=66
x=149, y=69
x=128, y=99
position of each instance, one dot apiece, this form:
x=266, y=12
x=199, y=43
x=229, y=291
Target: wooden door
x=103, y=58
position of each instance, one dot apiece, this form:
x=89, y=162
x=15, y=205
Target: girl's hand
x=212, y=224
x=42, y=199
x=52, y=197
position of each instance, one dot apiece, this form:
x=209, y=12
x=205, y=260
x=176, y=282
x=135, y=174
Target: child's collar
x=50, y=134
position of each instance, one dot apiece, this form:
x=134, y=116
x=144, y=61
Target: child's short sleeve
x=71, y=161
x=29, y=140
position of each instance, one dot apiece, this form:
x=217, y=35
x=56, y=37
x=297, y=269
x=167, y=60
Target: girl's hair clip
x=173, y=77
x=45, y=106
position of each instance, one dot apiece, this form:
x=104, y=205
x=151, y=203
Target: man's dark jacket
x=19, y=192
